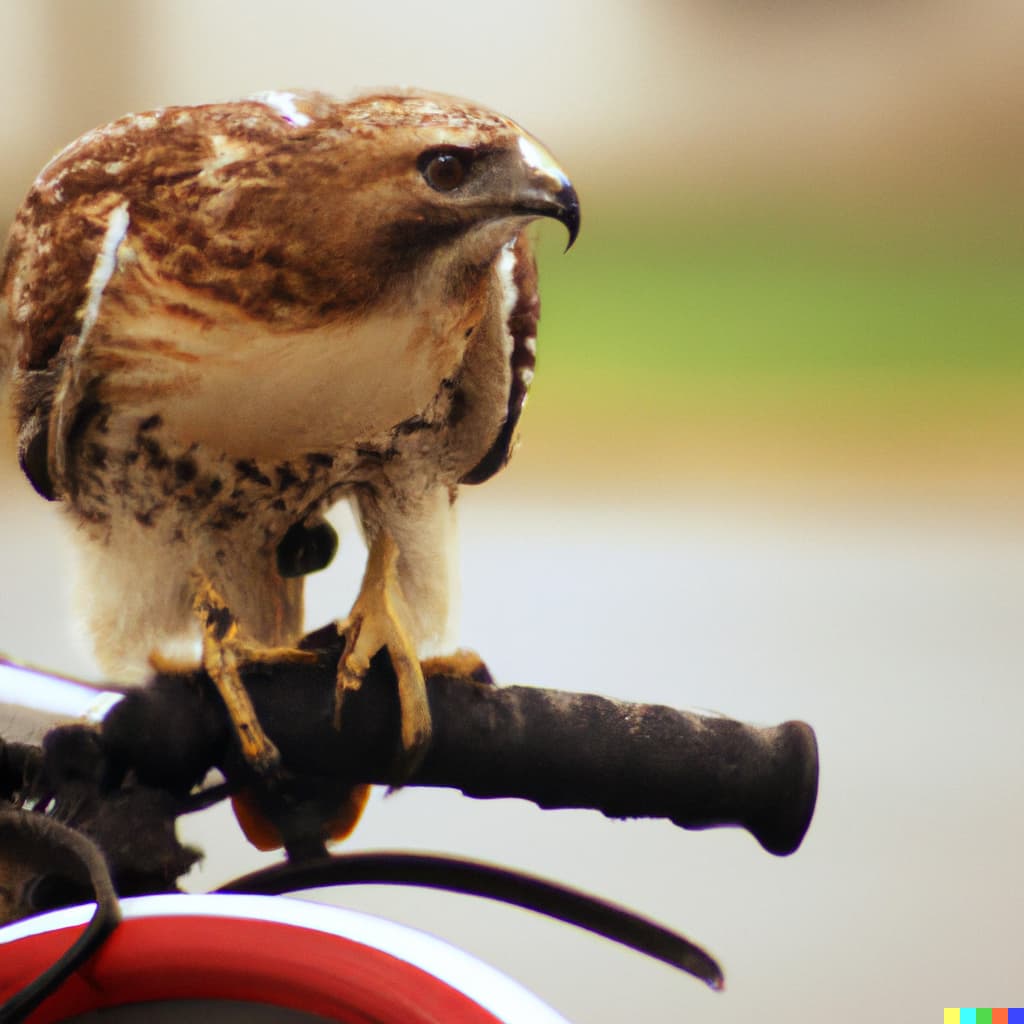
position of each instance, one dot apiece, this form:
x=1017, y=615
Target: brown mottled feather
x=286, y=313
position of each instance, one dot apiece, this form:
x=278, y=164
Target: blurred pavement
x=898, y=639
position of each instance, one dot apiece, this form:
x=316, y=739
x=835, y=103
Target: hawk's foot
x=375, y=623
x=224, y=652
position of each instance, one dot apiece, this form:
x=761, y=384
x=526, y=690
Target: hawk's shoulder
x=189, y=175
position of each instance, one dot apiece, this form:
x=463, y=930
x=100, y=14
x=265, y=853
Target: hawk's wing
x=520, y=310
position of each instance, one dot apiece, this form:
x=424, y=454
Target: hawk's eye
x=445, y=170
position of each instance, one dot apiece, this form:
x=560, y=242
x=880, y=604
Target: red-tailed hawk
x=223, y=319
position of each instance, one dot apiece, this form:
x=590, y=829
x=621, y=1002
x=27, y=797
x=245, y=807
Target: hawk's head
x=400, y=182
x=291, y=241
x=294, y=208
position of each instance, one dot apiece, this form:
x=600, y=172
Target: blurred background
x=775, y=449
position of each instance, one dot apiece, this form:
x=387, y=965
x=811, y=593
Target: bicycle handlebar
x=557, y=749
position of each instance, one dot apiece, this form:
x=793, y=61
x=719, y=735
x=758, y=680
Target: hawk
x=220, y=320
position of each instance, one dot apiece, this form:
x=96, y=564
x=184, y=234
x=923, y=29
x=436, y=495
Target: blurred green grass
x=782, y=298
x=832, y=324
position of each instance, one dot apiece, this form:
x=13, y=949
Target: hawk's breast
x=275, y=395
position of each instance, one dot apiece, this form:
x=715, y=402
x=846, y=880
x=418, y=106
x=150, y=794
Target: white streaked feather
x=102, y=271
x=69, y=389
x=509, y=292
x=284, y=104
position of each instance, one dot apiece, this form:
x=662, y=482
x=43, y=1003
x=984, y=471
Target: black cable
x=37, y=828
x=470, y=878
x=204, y=798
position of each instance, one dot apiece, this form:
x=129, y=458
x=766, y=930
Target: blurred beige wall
x=793, y=95
x=653, y=105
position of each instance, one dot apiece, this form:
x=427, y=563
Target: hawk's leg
x=224, y=651
x=378, y=620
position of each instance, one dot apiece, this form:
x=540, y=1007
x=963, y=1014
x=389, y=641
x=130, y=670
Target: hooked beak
x=546, y=190
x=563, y=206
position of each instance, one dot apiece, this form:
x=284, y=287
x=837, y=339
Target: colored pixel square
x=982, y=1015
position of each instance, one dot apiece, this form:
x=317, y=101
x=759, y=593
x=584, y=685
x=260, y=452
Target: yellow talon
x=376, y=622
x=224, y=651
